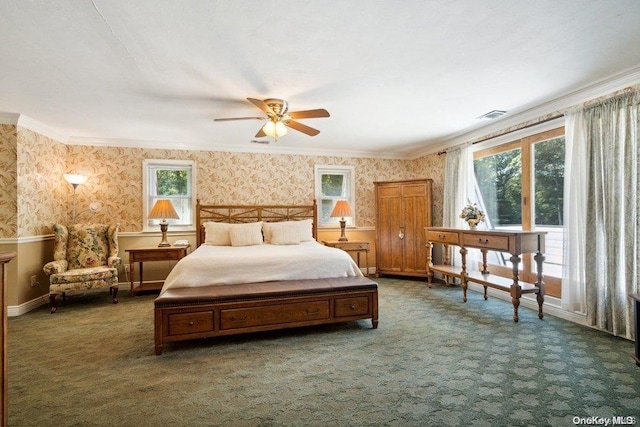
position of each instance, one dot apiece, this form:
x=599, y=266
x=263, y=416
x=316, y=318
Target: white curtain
x=459, y=186
x=575, y=204
x=613, y=217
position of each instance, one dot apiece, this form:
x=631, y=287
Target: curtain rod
x=548, y=119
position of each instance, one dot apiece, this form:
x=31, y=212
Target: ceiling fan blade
x=239, y=118
x=261, y=105
x=302, y=128
x=261, y=133
x=309, y=114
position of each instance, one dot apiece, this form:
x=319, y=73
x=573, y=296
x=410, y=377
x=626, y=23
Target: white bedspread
x=228, y=265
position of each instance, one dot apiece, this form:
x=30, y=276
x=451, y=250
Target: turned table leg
x=516, y=291
x=539, y=258
x=463, y=273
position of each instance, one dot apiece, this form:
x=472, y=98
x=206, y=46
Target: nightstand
x=153, y=253
x=357, y=246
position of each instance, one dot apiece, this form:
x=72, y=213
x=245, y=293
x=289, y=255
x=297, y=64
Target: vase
x=472, y=224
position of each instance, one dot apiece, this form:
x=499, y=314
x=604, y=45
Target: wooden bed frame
x=190, y=313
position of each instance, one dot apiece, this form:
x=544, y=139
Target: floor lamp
x=74, y=180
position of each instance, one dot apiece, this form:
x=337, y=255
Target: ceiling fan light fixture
x=275, y=129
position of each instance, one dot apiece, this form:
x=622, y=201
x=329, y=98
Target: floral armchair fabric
x=85, y=257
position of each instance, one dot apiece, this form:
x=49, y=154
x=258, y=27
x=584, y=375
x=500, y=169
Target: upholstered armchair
x=85, y=257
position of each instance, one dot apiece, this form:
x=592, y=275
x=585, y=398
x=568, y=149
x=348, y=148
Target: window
x=521, y=186
x=334, y=183
x=173, y=180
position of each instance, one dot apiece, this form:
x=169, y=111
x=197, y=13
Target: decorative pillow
x=305, y=233
x=217, y=233
x=285, y=234
x=246, y=234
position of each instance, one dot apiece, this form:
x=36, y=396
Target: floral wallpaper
x=222, y=177
x=8, y=181
x=43, y=194
x=35, y=194
x=432, y=166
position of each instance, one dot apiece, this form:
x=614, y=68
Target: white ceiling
x=398, y=76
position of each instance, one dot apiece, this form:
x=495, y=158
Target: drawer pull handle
x=191, y=323
x=352, y=307
x=483, y=241
x=441, y=236
x=238, y=319
x=316, y=311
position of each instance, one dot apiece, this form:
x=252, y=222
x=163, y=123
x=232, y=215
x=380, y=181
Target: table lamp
x=163, y=210
x=340, y=210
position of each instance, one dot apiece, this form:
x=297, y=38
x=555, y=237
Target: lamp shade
x=163, y=209
x=75, y=179
x=341, y=209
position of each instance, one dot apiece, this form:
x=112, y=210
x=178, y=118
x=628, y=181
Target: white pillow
x=217, y=233
x=285, y=235
x=305, y=233
x=305, y=230
x=246, y=234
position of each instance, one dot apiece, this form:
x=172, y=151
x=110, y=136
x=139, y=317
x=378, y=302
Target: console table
x=515, y=243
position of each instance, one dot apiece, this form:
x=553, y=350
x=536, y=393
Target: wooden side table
x=357, y=246
x=154, y=253
x=636, y=300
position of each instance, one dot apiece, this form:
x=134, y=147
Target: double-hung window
x=333, y=183
x=173, y=180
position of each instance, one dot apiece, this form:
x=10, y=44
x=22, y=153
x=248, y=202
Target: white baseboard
x=19, y=310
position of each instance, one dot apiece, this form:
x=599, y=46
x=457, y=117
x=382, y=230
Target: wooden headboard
x=235, y=214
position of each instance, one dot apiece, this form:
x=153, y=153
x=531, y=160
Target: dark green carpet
x=433, y=361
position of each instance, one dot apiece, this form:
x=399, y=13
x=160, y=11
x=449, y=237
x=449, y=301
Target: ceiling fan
x=279, y=118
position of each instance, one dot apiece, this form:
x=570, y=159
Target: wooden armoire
x=403, y=210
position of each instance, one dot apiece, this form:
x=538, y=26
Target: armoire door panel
x=415, y=247
x=389, y=211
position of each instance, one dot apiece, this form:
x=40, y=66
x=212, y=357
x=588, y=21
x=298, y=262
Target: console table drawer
x=273, y=314
x=486, y=241
x=443, y=237
x=164, y=255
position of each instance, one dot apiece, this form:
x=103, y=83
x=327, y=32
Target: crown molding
x=33, y=125
x=9, y=118
x=235, y=148
x=559, y=104
x=42, y=129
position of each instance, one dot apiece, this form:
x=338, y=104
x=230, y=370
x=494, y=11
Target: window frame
x=525, y=142
x=349, y=173
x=153, y=164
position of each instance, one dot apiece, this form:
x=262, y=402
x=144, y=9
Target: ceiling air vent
x=494, y=114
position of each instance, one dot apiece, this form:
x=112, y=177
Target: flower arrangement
x=472, y=214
